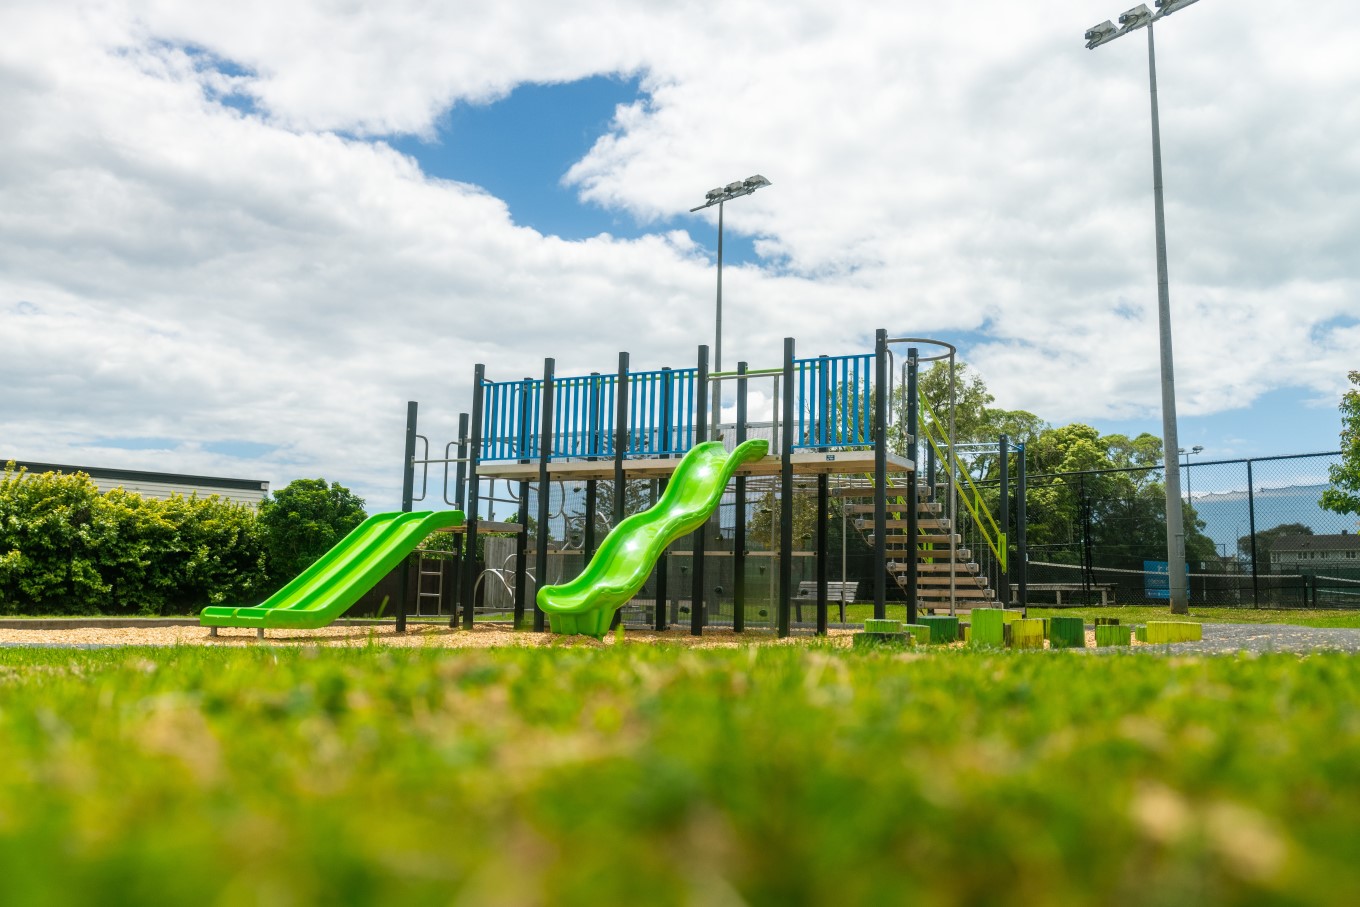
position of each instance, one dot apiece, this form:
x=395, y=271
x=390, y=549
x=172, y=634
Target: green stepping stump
x=987, y=627
x=920, y=633
x=1066, y=633
x=1113, y=635
x=943, y=628
x=1169, y=631
x=1140, y=633
x=878, y=625
x=1027, y=633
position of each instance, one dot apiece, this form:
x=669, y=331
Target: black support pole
x=460, y=503
x=408, y=490
x=1021, y=531
x=474, y=454
x=739, y=519
x=699, y=539
x=1004, y=522
x=786, y=494
x=881, y=474
x=521, y=554
x=620, y=440
x=544, y=510
x=823, y=502
x=913, y=417
x=659, y=614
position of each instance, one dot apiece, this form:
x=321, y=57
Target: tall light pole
x=1197, y=449
x=719, y=197
x=1142, y=17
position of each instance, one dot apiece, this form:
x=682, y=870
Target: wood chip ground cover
x=604, y=773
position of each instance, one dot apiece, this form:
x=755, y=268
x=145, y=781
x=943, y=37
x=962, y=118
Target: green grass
x=653, y=775
x=1131, y=614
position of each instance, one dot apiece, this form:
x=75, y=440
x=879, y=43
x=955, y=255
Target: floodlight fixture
x=1135, y=18
x=1100, y=34
x=1167, y=7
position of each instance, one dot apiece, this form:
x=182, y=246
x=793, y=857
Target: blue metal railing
x=511, y=416
x=583, y=416
x=832, y=401
x=661, y=411
x=832, y=409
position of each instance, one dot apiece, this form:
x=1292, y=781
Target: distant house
x=161, y=485
x=1311, y=553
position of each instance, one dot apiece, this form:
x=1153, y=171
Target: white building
x=161, y=485
x=1311, y=553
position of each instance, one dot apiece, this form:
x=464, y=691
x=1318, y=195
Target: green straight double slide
x=614, y=575
x=327, y=589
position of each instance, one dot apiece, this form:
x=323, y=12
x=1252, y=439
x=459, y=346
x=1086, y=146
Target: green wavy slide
x=327, y=589
x=614, y=575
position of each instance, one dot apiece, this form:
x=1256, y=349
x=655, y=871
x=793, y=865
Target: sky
x=236, y=239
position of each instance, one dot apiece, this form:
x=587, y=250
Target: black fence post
x=1251, y=529
x=620, y=440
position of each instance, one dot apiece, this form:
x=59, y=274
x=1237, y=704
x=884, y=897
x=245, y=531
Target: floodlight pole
x=1177, y=590
x=720, y=197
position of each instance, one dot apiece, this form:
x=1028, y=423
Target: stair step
x=902, y=524
x=959, y=569
x=894, y=508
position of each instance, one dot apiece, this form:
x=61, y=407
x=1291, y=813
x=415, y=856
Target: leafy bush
x=65, y=548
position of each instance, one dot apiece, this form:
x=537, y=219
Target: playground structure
x=627, y=432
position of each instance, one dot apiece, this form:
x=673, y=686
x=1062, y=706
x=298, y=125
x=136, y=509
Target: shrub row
x=67, y=548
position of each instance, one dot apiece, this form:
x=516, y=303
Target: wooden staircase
x=935, y=571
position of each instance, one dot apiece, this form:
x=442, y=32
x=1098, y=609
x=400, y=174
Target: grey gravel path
x=1224, y=639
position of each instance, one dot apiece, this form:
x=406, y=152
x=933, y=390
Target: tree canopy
x=1344, y=495
x=303, y=521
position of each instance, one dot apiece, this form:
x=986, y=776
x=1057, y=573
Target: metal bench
x=841, y=591
x=1105, y=590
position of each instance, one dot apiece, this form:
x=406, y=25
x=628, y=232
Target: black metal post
x=1251, y=528
x=474, y=454
x=880, y=474
x=786, y=494
x=408, y=489
x=544, y=510
x=697, y=610
x=521, y=555
x=620, y=440
x=1021, y=529
x=913, y=416
x=659, y=618
x=823, y=501
x=739, y=518
x=1004, y=521
x=459, y=502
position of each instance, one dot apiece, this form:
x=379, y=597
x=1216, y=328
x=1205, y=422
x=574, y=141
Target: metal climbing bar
x=971, y=497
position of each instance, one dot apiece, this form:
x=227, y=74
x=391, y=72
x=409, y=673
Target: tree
x=1266, y=539
x=1344, y=495
x=303, y=521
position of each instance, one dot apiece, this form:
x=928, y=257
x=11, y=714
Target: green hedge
x=65, y=548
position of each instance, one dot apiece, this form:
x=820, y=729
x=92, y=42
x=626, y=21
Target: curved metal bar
x=447, y=447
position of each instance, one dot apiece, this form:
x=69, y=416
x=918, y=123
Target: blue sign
x=1155, y=580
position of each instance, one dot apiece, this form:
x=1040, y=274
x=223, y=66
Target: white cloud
x=174, y=267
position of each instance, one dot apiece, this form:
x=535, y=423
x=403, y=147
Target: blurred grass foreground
x=649, y=775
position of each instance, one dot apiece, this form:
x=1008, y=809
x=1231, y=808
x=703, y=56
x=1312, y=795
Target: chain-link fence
x=1255, y=535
